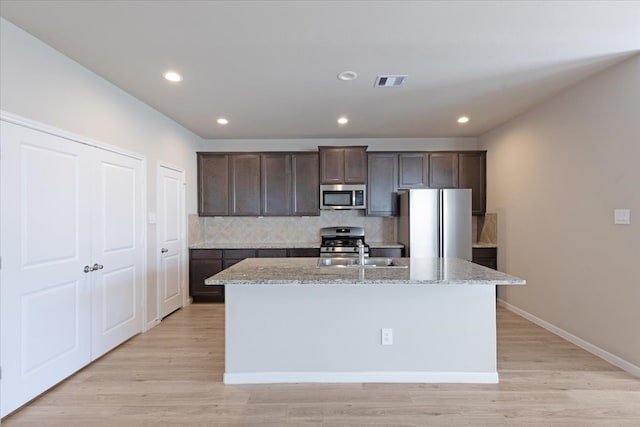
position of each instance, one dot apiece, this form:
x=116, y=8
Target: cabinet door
x=213, y=184
x=472, y=174
x=306, y=188
x=355, y=165
x=382, y=198
x=443, y=170
x=331, y=165
x=199, y=270
x=244, y=186
x=276, y=184
x=413, y=170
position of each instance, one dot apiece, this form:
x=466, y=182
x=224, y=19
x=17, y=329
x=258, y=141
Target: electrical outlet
x=387, y=336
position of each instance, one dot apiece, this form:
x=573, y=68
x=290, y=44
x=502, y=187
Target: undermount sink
x=354, y=262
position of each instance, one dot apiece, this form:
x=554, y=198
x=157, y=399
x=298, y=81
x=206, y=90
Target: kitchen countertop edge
x=304, y=271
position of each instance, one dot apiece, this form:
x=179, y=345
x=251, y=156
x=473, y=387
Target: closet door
x=45, y=245
x=117, y=249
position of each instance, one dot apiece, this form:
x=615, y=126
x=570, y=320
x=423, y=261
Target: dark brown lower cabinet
x=386, y=252
x=205, y=263
x=304, y=252
x=486, y=256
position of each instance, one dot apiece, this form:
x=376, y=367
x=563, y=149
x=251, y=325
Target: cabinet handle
x=164, y=250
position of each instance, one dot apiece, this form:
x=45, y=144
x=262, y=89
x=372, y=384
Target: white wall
x=39, y=83
x=555, y=175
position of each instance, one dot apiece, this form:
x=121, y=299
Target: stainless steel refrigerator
x=435, y=223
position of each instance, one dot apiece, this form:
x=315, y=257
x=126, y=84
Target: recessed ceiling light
x=222, y=121
x=463, y=119
x=347, y=75
x=172, y=76
x=343, y=120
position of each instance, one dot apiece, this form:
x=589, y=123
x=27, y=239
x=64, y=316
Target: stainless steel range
x=342, y=241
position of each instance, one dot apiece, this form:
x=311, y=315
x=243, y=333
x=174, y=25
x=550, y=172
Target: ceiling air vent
x=390, y=80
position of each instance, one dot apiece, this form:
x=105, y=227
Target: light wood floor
x=172, y=375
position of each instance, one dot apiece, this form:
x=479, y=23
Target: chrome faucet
x=360, y=253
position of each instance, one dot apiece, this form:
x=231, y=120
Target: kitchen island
x=289, y=321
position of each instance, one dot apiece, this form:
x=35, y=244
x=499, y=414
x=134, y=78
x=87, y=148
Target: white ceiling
x=270, y=66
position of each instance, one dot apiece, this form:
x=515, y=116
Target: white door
x=117, y=250
x=170, y=239
x=45, y=245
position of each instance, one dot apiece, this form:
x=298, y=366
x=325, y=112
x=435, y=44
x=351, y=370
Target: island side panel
x=332, y=333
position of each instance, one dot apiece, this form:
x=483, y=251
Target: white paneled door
x=117, y=221
x=59, y=224
x=170, y=239
x=45, y=295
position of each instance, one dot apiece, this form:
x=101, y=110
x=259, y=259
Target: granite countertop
x=420, y=271
x=280, y=245
x=484, y=245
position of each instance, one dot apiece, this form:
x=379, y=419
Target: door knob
x=87, y=269
x=97, y=267
x=164, y=250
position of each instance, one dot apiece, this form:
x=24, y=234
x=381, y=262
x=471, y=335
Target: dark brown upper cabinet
x=393, y=172
x=213, y=184
x=443, y=170
x=305, y=187
x=276, y=184
x=382, y=184
x=343, y=165
x=244, y=184
x=254, y=184
x=472, y=174
x=413, y=170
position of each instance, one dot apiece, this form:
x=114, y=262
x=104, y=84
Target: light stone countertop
x=484, y=245
x=420, y=271
x=280, y=245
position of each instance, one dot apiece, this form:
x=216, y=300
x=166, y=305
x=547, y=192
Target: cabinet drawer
x=238, y=253
x=272, y=253
x=304, y=252
x=229, y=262
x=206, y=253
x=385, y=252
x=487, y=262
x=484, y=252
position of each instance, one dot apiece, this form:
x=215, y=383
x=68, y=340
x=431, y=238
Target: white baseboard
x=593, y=349
x=151, y=324
x=361, y=377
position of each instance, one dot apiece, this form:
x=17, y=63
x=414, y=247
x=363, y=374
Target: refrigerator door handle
x=441, y=213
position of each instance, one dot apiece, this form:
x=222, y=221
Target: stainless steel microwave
x=343, y=196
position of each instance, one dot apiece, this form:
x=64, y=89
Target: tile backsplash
x=237, y=230
x=488, y=228
x=234, y=230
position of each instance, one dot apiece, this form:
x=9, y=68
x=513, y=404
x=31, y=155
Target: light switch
x=622, y=216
